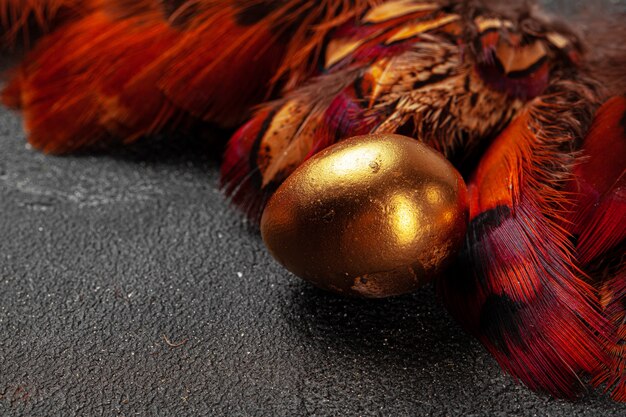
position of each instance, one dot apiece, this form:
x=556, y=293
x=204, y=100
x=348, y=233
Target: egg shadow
x=412, y=331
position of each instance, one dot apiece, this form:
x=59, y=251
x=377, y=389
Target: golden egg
x=372, y=216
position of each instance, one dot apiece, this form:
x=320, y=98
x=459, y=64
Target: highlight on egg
x=372, y=216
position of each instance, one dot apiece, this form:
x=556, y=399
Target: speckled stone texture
x=128, y=287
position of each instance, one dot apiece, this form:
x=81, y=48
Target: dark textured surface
x=103, y=256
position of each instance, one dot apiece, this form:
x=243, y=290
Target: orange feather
x=134, y=68
x=76, y=87
x=18, y=16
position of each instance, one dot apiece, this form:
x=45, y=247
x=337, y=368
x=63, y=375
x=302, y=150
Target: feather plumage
x=599, y=184
x=76, y=94
x=408, y=74
x=18, y=17
x=165, y=71
x=527, y=301
x=613, y=290
x=596, y=218
x=546, y=213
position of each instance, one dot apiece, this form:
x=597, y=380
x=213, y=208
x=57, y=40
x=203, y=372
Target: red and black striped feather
x=597, y=219
x=525, y=298
x=598, y=214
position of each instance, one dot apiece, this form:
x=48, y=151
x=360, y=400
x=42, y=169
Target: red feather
x=17, y=17
x=598, y=215
x=527, y=301
x=220, y=68
x=613, y=376
x=239, y=173
x=597, y=218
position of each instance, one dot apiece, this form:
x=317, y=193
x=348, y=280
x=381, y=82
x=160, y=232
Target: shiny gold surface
x=372, y=216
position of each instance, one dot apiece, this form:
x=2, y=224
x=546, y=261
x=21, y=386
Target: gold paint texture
x=372, y=216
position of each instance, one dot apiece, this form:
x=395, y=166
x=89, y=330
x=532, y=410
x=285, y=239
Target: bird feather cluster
x=531, y=109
